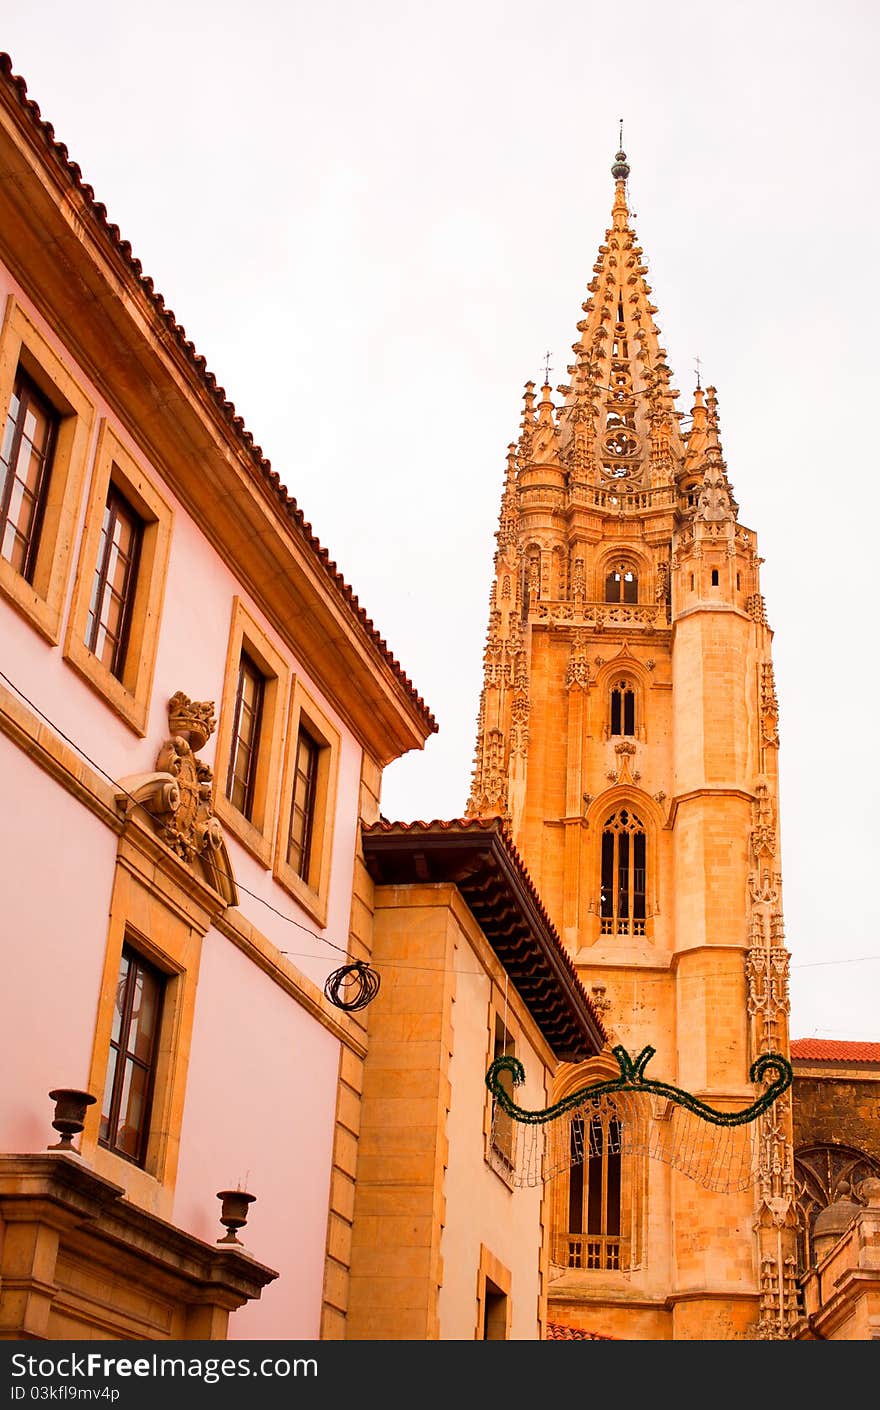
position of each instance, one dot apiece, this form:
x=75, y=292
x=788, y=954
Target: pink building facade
x=195, y=714
x=194, y=717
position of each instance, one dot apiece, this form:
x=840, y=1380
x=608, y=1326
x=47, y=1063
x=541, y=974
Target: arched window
x=624, y=847
x=622, y=584
x=820, y=1174
x=623, y=708
x=593, y=1236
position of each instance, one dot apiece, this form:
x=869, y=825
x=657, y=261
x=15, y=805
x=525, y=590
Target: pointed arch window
x=593, y=1227
x=622, y=584
x=623, y=708
x=624, y=862
x=822, y=1174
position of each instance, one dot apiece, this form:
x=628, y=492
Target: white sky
x=373, y=220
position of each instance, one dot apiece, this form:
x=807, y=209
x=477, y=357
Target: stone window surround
x=146, y=916
x=129, y=696
x=256, y=833
x=312, y=892
x=41, y=600
x=500, y=1013
x=491, y=1270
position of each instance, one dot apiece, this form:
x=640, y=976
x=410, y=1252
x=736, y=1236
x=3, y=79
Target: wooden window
x=109, y=621
x=246, y=728
x=623, y=879
x=622, y=585
x=302, y=809
x=134, y=1041
x=25, y=465
x=112, y=635
x=593, y=1239
x=250, y=736
x=46, y=422
x=161, y=934
x=304, y=844
x=502, y=1124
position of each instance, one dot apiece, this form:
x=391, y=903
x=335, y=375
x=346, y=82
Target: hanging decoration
x=352, y=986
x=665, y=1122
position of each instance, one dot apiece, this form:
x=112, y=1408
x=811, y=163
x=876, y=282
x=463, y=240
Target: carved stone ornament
x=763, y=834
x=625, y=752
x=578, y=669
x=177, y=795
x=713, y=505
x=769, y=707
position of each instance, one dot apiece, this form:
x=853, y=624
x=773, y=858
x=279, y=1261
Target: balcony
x=633, y=616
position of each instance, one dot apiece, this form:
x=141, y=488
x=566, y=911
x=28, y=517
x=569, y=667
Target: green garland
x=632, y=1079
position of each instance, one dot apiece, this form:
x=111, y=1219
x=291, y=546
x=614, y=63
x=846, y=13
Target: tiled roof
x=827, y=1050
x=478, y=855
x=556, y=1331
x=122, y=250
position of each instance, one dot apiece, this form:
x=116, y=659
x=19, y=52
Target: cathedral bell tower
x=627, y=732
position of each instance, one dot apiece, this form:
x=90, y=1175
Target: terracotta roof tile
x=557, y=1331
x=122, y=248
x=827, y=1050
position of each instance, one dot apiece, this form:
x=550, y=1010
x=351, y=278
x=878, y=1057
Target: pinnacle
x=620, y=390
x=545, y=406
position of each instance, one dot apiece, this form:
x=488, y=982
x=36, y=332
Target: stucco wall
x=191, y=656
x=259, y=1112
x=481, y=1208
x=57, y=872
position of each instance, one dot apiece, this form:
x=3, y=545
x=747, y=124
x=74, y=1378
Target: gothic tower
x=628, y=733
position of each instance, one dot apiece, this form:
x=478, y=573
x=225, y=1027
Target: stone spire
x=620, y=380
x=704, y=472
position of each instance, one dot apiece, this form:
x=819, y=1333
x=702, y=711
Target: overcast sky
x=373, y=220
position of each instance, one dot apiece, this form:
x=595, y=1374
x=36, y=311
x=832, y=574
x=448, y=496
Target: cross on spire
x=547, y=368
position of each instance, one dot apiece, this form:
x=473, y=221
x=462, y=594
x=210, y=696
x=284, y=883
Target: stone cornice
x=143, y=854
x=42, y=744
x=62, y=1191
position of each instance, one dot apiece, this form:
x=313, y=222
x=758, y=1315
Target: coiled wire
x=352, y=986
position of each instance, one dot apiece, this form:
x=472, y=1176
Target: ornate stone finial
x=620, y=172
x=620, y=169
x=620, y=166
x=714, y=504
x=869, y=1191
x=545, y=406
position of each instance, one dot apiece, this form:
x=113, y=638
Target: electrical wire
x=342, y=950
x=289, y=920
